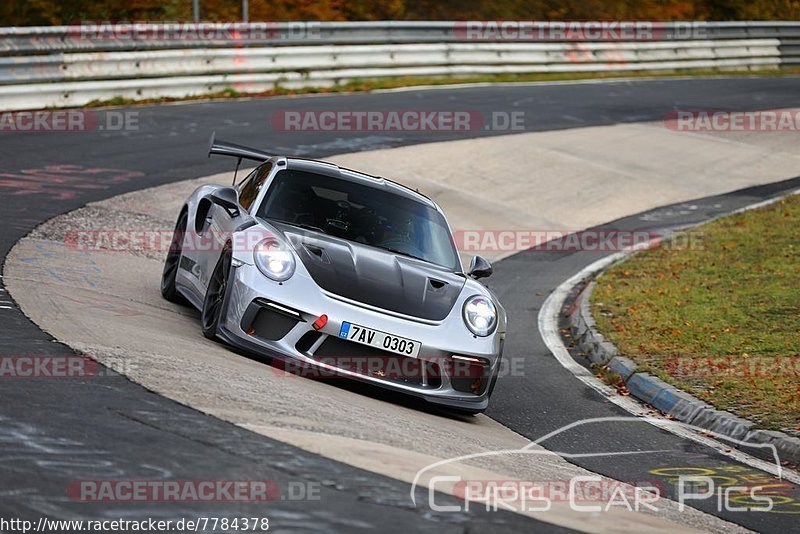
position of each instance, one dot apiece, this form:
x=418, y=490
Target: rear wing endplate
x=223, y=148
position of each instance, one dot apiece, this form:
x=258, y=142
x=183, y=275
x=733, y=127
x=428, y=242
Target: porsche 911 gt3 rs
x=340, y=272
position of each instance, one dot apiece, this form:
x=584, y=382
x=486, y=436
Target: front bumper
x=454, y=368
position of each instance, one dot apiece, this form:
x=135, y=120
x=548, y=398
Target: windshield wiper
x=299, y=225
x=394, y=250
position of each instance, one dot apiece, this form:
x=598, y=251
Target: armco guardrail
x=73, y=65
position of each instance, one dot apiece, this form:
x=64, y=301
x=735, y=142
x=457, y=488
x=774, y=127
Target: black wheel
x=168, y=289
x=215, y=295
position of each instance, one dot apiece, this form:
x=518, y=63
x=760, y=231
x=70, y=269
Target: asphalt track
x=59, y=430
x=535, y=408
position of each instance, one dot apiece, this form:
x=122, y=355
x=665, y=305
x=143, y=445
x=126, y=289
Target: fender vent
x=318, y=253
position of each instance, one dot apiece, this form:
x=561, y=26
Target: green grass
x=408, y=81
x=732, y=309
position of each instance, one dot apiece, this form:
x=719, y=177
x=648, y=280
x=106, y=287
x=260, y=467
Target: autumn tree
x=47, y=12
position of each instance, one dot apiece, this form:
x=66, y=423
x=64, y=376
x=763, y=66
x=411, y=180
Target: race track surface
x=56, y=431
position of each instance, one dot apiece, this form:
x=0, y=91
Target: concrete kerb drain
x=654, y=391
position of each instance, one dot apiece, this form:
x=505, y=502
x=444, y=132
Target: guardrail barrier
x=69, y=66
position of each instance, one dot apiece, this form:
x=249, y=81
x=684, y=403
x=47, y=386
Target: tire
x=171, y=264
x=214, y=301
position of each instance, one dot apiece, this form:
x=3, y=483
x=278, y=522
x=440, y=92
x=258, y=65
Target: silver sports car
x=338, y=273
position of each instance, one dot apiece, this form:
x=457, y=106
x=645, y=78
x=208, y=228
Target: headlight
x=480, y=315
x=274, y=259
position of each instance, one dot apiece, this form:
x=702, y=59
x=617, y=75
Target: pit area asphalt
x=59, y=430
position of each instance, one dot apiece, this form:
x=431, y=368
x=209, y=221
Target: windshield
x=360, y=213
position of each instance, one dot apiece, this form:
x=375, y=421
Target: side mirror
x=479, y=268
x=228, y=198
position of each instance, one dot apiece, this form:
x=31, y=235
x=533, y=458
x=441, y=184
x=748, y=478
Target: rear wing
x=223, y=148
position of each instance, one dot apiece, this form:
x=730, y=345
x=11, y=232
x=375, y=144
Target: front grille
x=376, y=363
x=305, y=343
x=272, y=325
x=469, y=377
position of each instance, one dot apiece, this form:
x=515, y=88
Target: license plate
x=379, y=340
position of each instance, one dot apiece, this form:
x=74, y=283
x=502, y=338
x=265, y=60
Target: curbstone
x=788, y=447
x=584, y=307
x=667, y=398
x=622, y=366
x=723, y=423
x=688, y=407
x=645, y=387
x=608, y=350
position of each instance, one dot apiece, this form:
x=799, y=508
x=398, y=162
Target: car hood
x=374, y=276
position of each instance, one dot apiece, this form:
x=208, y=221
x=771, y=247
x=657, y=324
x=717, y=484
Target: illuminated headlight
x=274, y=259
x=480, y=315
